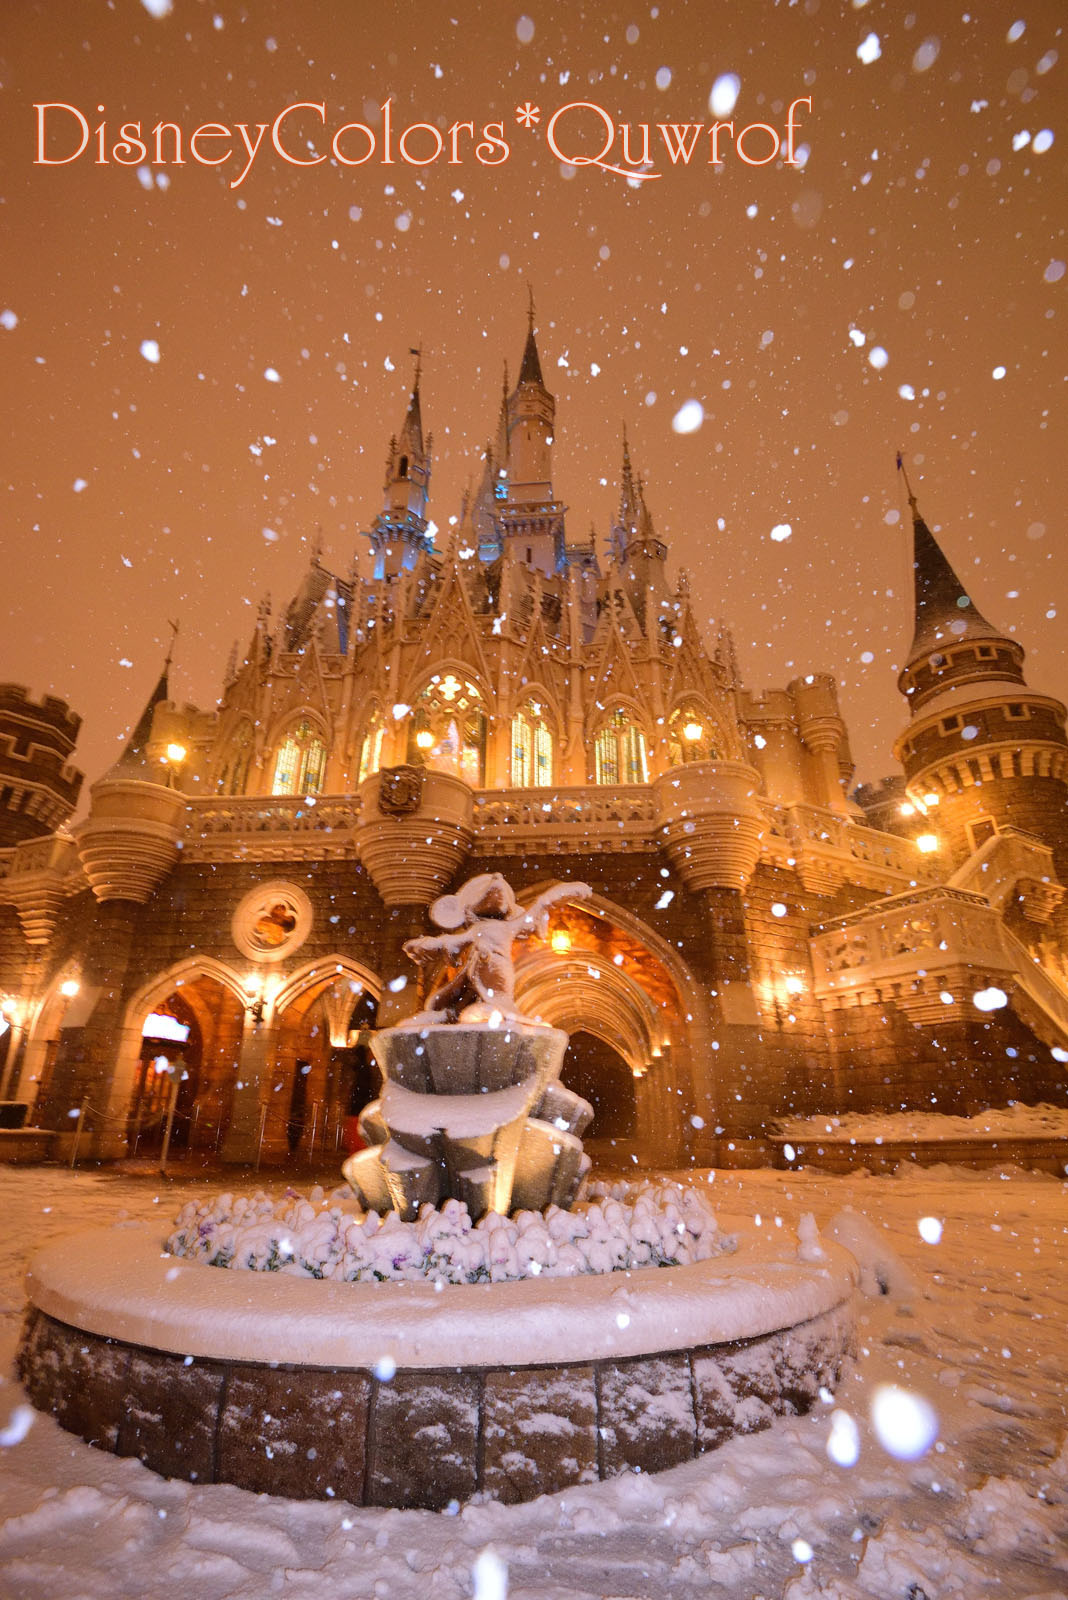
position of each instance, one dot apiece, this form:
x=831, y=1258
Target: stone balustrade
x=271, y=828
x=826, y=848
x=918, y=947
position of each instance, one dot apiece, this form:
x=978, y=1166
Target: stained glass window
x=619, y=752
x=532, y=749
x=301, y=763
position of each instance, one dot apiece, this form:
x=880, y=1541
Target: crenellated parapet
x=38, y=787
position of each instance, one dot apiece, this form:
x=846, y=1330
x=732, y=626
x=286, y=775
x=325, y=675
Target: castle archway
x=324, y=1073
x=206, y=998
x=633, y=1010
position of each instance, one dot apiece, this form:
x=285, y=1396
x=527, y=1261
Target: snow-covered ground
x=973, y=1322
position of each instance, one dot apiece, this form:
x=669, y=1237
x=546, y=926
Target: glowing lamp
x=69, y=987
x=907, y=810
x=794, y=985
x=176, y=753
x=930, y=799
x=692, y=732
x=424, y=739
x=927, y=843
x=560, y=941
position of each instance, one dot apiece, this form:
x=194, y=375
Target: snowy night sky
x=202, y=372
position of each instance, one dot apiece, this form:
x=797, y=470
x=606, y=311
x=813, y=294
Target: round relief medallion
x=272, y=921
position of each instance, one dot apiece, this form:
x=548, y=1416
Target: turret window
x=691, y=737
x=447, y=729
x=301, y=763
x=532, y=748
x=619, y=752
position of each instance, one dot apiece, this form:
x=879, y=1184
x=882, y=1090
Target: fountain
x=472, y=1105
x=426, y=1393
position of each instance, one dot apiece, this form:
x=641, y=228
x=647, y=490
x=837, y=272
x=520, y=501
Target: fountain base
x=409, y=1395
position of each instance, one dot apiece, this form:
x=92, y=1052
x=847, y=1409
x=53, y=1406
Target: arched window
x=447, y=729
x=371, y=750
x=619, y=752
x=532, y=748
x=301, y=764
x=691, y=737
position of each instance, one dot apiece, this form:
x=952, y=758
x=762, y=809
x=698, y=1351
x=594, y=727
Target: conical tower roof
x=134, y=759
x=945, y=612
x=530, y=366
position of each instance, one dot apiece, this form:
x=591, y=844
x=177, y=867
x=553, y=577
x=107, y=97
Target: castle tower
x=982, y=747
x=399, y=531
x=532, y=520
x=38, y=787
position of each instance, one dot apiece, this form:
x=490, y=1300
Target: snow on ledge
x=119, y=1283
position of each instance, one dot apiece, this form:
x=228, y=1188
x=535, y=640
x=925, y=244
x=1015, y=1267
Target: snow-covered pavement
x=973, y=1323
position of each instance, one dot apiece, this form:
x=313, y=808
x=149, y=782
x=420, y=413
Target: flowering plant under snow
x=620, y=1226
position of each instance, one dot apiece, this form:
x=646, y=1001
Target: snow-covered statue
x=488, y=919
x=472, y=1104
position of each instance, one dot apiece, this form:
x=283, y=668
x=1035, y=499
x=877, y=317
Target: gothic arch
x=179, y=976
x=324, y=973
x=627, y=987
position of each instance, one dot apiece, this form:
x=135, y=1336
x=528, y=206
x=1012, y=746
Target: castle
x=200, y=960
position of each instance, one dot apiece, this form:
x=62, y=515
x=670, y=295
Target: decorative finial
x=173, y=626
x=416, y=350
x=530, y=305
x=908, y=486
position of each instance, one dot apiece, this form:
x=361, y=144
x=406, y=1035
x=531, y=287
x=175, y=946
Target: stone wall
x=423, y=1438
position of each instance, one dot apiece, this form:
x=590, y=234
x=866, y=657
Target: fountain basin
x=402, y=1394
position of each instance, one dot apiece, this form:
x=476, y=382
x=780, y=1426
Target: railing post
x=78, y=1132
x=259, y=1144
x=175, y=1086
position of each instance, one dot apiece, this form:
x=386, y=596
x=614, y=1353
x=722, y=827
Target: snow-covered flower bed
x=619, y=1226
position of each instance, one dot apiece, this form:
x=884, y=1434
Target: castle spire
x=399, y=532
x=530, y=367
x=134, y=758
x=530, y=514
x=944, y=611
x=954, y=648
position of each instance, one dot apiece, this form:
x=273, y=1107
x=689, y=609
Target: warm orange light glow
x=795, y=985
x=927, y=842
x=907, y=810
x=692, y=732
x=176, y=753
x=930, y=799
x=424, y=739
x=560, y=941
x=69, y=987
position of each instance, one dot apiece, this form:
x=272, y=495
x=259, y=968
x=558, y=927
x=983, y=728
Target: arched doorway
x=168, y=1069
x=597, y=1071
x=203, y=1061
x=155, y=1051
x=636, y=1018
x=325, y=1073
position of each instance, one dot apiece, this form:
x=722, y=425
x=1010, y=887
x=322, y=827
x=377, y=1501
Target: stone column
x=252, y=1091
x=712, y=827
x=88, y=1041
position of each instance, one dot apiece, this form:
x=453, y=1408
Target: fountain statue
x=472, y=1105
